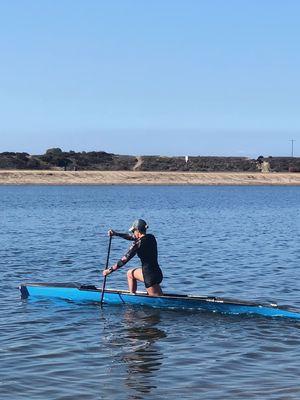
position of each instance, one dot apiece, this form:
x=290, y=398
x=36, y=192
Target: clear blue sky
x=169, y=77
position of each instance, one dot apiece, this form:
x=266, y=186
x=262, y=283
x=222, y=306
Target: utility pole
x=292, y=140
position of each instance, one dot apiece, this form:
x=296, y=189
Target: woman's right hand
x=111, y=232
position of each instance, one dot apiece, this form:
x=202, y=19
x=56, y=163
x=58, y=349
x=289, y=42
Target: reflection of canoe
x=77, y=292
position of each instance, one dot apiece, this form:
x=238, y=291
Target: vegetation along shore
x=57, y=167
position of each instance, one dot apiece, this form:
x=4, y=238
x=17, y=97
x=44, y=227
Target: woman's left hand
x=106, y=272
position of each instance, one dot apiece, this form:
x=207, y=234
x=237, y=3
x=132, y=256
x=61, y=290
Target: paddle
x=104, y=280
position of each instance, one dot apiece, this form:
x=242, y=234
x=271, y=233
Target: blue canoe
x=90, y=293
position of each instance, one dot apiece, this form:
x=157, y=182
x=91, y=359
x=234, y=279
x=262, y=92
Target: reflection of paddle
x=104, y=280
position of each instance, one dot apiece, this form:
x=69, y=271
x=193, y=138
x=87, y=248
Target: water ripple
x=237, y=242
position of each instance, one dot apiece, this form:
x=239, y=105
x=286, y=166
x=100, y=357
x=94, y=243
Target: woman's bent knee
x=130, y=274
x=155, y=290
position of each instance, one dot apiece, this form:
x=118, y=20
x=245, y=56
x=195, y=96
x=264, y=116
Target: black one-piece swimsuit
x=146, y=249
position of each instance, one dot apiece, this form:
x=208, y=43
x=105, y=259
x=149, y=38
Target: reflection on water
x=139, y=350
x=143, y=356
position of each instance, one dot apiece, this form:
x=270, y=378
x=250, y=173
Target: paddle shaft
x=104, y=280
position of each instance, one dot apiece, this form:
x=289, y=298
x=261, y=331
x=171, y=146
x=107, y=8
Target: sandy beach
x=51, y=177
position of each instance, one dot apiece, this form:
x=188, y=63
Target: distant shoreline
x=52, y=177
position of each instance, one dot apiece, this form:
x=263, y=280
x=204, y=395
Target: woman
x=145, y=246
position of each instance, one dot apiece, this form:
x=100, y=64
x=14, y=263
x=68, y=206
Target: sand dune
x=24, y=177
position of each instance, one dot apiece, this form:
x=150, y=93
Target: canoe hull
x=85, y=293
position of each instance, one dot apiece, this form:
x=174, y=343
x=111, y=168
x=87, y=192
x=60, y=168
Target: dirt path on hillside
x=138, y=163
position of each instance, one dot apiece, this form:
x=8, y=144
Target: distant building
x=186, y=159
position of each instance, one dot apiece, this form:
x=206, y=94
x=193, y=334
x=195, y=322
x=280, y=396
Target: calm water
x=233, y=241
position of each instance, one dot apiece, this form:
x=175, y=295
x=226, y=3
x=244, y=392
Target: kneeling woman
x=145, y=246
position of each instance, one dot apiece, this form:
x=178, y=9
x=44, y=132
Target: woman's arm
x=126, y=236
x=128, y=256
x=131, y=252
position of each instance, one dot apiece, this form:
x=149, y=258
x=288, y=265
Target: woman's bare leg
x=155, y=290
x=134, y=275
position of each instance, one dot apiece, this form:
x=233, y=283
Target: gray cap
x=140, y=225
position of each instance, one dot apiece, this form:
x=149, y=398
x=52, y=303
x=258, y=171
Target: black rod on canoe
x=104, y=280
